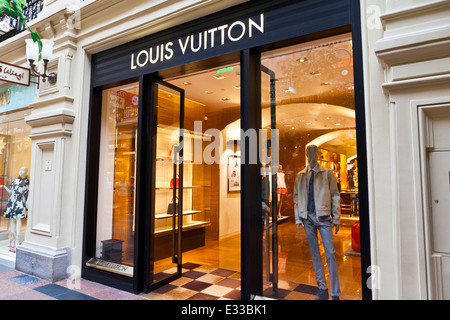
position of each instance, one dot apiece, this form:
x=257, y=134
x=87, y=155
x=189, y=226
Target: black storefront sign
x=246, y=29
x=252, y=24
x=199, y=43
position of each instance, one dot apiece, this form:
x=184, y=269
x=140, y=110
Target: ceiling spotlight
x=290, y=89
x=337, y=124
x=237, y=86
x=186, y=83
x=208, y=92
x=325, y=84
x=314, y=73
x=219, y=77
x=301, y=60
x=225, y=99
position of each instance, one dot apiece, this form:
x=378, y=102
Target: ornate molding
x=417, y=82
x=416, y=10
x=414, y=47
x=56, y=122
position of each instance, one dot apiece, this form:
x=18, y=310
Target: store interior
x=15, y=153
x=314, y=95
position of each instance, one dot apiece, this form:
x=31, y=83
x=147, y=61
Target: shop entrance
x=196, y=185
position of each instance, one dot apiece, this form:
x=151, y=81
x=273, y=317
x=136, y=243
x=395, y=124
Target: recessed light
x=225, y=99
x=208, y=92
x=237, y=86
x=337, y=124
x=308, y=123
x=301, y=60
x=290, y=89
x=186, y=83
x=325, y=84
x=219, y=77
x=314, y=73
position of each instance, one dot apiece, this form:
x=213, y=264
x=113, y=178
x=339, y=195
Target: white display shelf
x=187, y=226
x=166, y=215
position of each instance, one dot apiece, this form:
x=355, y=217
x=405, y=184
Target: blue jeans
x=311, y=225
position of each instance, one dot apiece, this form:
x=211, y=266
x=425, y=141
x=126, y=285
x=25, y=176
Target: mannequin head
x=311, y=155
x=23, y=172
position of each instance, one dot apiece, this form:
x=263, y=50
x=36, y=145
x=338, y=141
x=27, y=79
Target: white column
x=47, y=248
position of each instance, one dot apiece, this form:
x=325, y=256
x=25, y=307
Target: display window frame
x=248, y=53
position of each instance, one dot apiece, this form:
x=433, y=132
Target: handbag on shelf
x=171, y=207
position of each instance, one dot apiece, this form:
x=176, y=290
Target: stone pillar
x=47, y=248
x=45, y=253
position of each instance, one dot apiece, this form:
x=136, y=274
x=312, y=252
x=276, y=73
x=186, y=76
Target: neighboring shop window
x=116, y=181
x=15, y=158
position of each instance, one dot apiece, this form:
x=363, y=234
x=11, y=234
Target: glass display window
x=116, y=181
x=308, y=99
x=15, y=159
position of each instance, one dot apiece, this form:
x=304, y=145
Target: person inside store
x=317, y=208
x=281, y=189
x=17, y=206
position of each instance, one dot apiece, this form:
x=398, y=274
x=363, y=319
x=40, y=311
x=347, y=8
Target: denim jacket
x=326, y=195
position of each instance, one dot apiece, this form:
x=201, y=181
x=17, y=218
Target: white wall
x=404, y=62
x=229, y=202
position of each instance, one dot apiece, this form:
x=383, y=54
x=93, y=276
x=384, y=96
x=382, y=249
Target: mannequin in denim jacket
x=317, y=217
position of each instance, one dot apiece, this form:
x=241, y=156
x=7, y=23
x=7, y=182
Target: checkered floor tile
x=207, y=283
x=200, y=283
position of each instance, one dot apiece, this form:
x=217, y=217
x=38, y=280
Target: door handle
x=177, y=229
x=176, y=206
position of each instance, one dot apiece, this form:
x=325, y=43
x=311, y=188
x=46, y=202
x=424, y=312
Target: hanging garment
x=16, y=208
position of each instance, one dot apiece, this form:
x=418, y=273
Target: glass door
x=269, y=171
x=166, y=213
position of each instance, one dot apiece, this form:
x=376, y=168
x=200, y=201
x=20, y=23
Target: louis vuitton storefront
x=203, y=128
